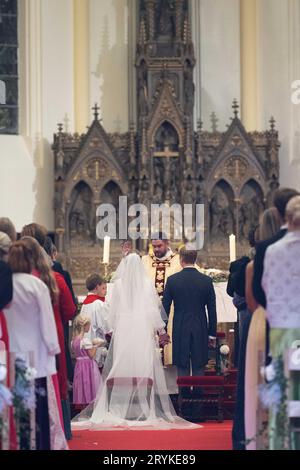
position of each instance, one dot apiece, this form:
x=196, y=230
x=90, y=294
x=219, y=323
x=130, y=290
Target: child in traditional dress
x=87, y=378
x=96, y=308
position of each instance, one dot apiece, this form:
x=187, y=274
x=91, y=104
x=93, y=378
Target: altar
x=226, y=311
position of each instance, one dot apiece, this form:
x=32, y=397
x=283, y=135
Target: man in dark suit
x=192, y=293
x=281, y=198
x=6, y=286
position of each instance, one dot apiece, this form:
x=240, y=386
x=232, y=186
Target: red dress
x=5, y=340
x=64, y=311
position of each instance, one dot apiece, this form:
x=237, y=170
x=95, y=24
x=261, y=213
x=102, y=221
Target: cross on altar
x=167, y=152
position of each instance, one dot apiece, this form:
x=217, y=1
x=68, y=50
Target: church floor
x=212, y=436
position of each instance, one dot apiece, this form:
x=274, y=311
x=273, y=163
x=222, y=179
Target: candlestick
x=106, y=247
x=232, y=248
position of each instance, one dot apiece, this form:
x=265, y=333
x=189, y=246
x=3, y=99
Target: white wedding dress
x=134, y=393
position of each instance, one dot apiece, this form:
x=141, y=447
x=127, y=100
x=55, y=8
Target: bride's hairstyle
x=131, y=252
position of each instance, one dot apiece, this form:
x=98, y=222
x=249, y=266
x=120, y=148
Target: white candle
x=232, y=248
x=106, y=250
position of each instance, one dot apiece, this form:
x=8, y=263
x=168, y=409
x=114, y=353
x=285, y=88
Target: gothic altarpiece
x=162, y=159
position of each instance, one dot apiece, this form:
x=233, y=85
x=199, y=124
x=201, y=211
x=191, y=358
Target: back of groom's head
x=187, y=256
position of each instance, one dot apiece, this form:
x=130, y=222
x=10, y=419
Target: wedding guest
x=87, y=378
x=280, y=282
x=256, y=343
x=32, y=329
x=37, y=231
x=51, y=250
x=8, y=227
x=236, y=289
x=58, y=268
x=64, y=310
x=95, y=308
x=6, y=294
x=238, y=283
x=281, y=198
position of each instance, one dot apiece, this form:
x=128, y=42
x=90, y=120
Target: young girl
x=87, y=378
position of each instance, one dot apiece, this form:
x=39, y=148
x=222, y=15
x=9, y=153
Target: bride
x=134, y=393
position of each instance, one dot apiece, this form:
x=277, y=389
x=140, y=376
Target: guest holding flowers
x=31, y=329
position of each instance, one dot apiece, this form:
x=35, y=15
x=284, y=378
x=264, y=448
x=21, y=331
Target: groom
x=192, y=294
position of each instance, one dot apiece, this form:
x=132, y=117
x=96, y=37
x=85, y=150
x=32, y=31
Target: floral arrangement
x=110, y=277
x=217, y=275
x=23, y=394
x=5, y=395
x=273, y=396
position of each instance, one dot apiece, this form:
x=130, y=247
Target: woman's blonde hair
x=293, y=211
x=270, y=223
x=5, y=243
x=79, y=323
x=8, y=227
x=40, y=264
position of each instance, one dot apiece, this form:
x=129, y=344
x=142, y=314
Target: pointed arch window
x=9, y=96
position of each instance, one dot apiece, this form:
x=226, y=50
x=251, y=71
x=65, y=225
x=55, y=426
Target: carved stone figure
x=143, y=195
x=189, y=90
x=166, y=20
x=166, y=139
x=221, y=217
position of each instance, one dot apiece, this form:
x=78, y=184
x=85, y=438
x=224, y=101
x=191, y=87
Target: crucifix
x=167, y=154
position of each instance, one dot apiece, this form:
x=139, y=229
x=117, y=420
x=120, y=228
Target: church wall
x=46, y=95
x=218, y=59
x=279, y=66
x=109, y=62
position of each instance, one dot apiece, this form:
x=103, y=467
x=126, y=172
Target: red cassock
x=64, y=311
x=5, y=340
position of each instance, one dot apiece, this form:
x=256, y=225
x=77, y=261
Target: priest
x=161, y=264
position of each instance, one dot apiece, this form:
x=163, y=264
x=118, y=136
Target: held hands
x=164, y=339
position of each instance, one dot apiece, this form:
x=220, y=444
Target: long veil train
x=134, y=393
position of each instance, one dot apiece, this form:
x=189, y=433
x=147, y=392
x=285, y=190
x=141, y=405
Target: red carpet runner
x=212, y=436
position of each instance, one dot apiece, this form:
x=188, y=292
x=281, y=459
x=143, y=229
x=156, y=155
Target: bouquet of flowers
x=5, y=395
x=23, y=395
x=224, y=352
